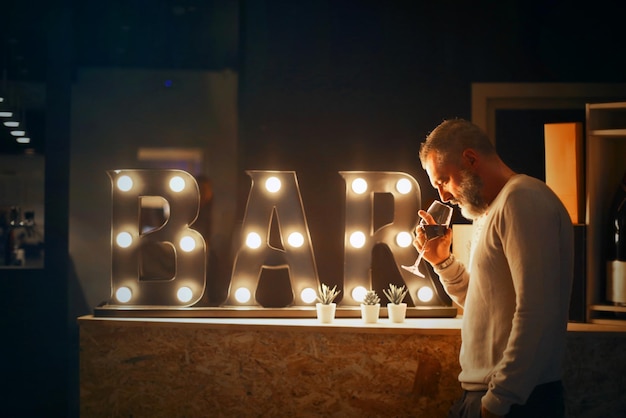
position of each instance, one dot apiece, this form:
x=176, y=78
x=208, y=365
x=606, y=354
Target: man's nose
x=444, y=195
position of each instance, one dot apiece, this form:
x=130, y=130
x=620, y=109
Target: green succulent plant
x=326, y=295
x=395, y=294
x=371, y=298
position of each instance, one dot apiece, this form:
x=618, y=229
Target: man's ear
x=470, y=156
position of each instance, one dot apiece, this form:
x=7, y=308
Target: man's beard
x=469, y=197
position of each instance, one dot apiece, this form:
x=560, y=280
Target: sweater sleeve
x=455, y=280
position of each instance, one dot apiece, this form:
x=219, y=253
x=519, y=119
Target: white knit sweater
x=516, y=299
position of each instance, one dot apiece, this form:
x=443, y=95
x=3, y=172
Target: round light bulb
x=187, y=244
x=308, y=295
x=184, y=294
x=359, y=186
x=123, y=294
x=242, y=295
x=124, y=183
x=425, y=294
x=124, y=239
x=177, y=184
x=295, y=239
x=273, y=184
x=404, y=239
x=358, y=293
x=403, y=186
x=357, y=239
x=253, y=240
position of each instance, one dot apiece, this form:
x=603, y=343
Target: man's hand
x=436, y=250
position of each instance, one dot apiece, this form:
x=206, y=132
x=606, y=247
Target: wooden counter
x=205, y=367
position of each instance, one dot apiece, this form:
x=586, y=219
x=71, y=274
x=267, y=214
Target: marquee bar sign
x=159, y=263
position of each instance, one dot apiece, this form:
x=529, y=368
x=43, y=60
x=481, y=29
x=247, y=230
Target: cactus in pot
x=326, y=306
x=395, y=294
x=396, y=309
x=326, y=295
x=370, y=307
x=371, y=298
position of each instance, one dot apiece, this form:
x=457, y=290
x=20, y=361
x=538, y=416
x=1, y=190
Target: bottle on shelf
x=616, y=248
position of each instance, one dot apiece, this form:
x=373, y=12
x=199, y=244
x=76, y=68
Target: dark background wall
x=324, y=86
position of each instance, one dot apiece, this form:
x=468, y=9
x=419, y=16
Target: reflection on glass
x=21, y=211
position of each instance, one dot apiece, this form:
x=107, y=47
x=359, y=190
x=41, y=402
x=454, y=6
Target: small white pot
x=396, y=313
x=370, y=313
x=325, y=313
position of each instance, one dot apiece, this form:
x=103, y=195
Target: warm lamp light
x=242, y=295
x=404, y=239
x=359, y=186
x=187, y=244
x=184, y=294
x=253, y=240
x=358, y=294
x=295, y=239
x=357, y=239
x=124, y=239
x=123, y=294
x=404, y=186
x=124, y=183
x=425, y=294
x=177, y=184
x=272, y=184
x=308, y=295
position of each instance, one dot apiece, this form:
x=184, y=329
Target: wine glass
x=442, y=214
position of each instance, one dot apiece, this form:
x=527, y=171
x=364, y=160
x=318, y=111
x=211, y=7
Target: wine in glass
x=442, y=214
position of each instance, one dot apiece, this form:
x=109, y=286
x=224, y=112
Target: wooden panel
x=564, y=166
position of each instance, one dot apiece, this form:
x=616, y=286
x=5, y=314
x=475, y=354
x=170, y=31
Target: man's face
x=457, y=185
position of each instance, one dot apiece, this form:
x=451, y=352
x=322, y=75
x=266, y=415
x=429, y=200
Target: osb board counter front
x=223, y=367
x=218, y=367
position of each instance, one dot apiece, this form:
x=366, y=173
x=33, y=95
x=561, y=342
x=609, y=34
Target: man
x=516, y=289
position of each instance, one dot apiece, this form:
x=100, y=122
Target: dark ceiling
x=157, y=34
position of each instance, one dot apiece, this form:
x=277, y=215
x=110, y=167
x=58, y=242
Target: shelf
x=613, y=105
x=612, y=133
x=605, y=165
x=608, y=308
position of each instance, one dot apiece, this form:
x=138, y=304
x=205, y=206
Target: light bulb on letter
x=358, y=293
x=184, y=294
x=403, y=186
x=123, y=294
x=124, y=183
x=272, y=184
x=124, y=239
x=253, y=240
x=425, y=294
x=404, y=239
x=242, y=295
x=295, y=239
x=359, y=186
x=177, y=184
x=357, y=239
x=187, y=244
x=308, y=295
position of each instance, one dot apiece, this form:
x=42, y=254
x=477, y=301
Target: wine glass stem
x=419, y=258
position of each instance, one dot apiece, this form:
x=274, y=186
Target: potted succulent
x=396, y=309
x=326, y=306
x=370, y=308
